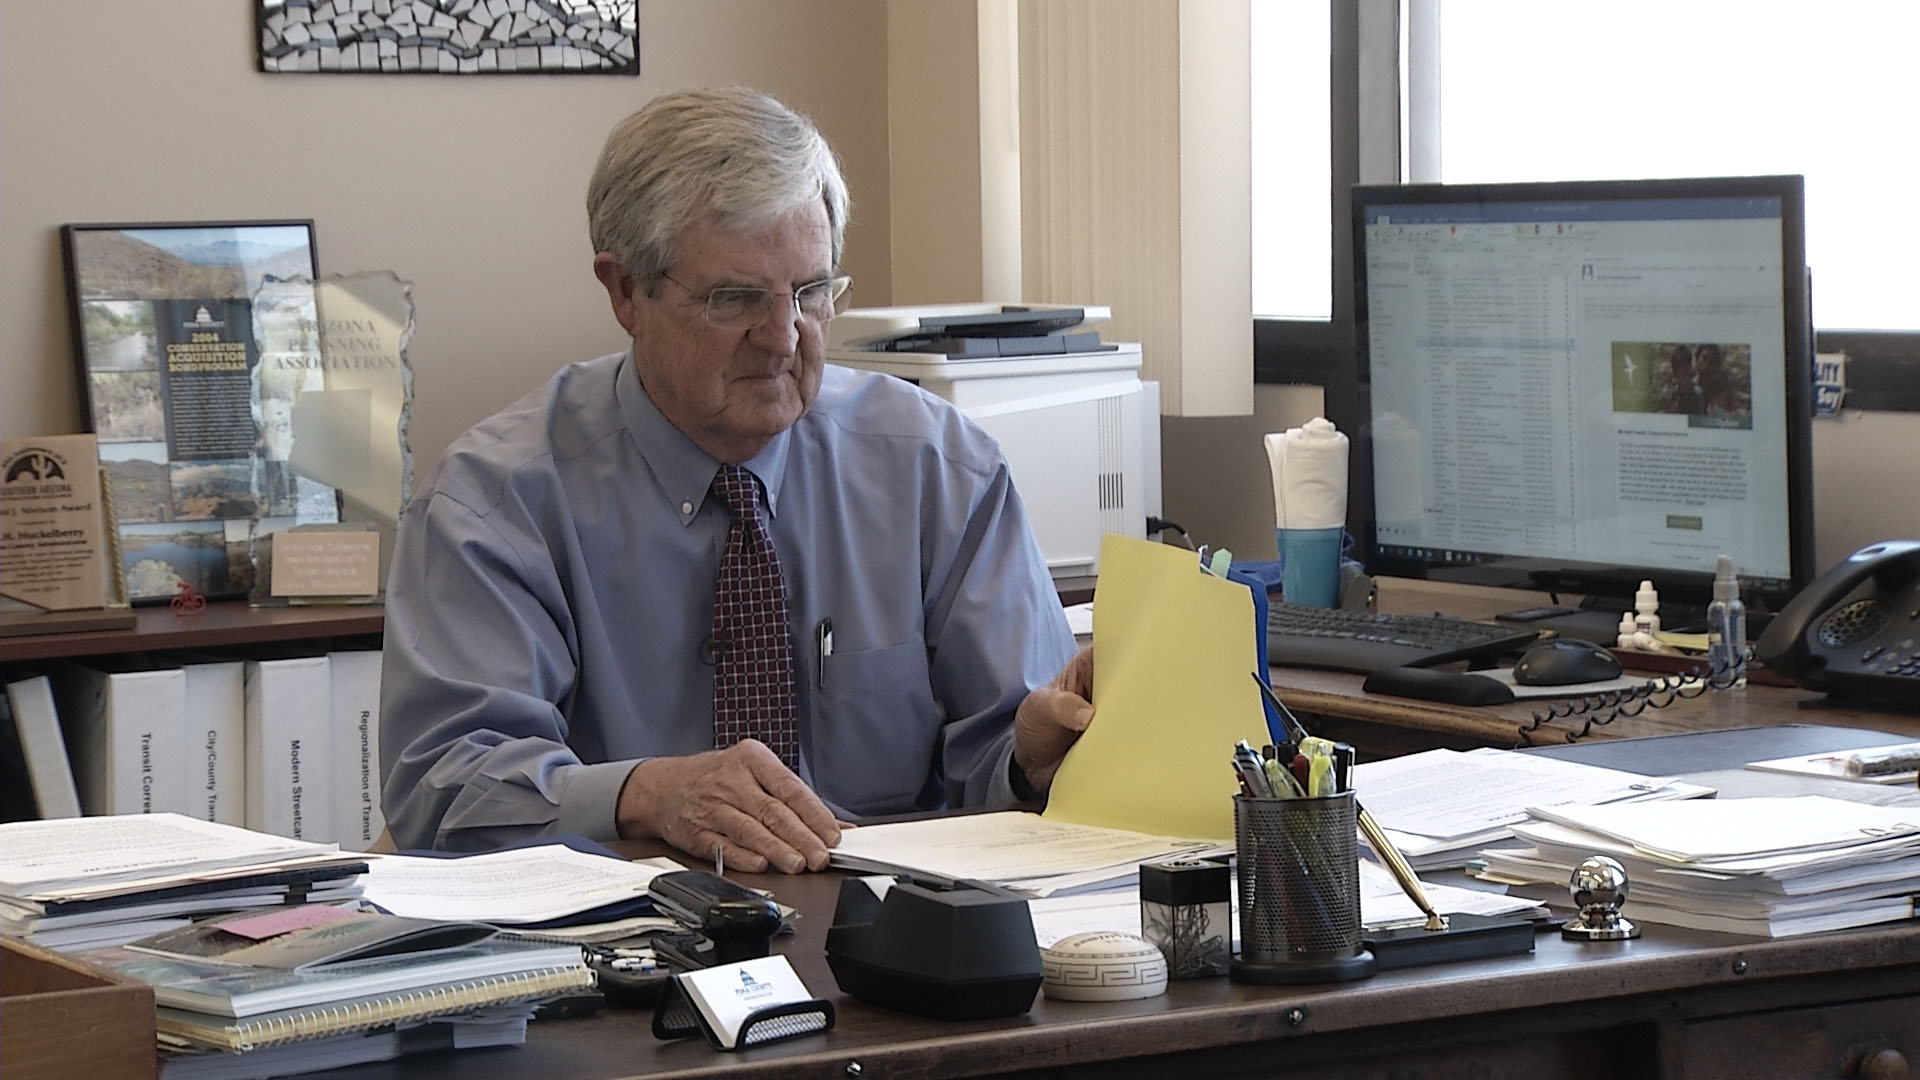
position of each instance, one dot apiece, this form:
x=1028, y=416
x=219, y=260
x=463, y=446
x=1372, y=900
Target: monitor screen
x=1572, y=387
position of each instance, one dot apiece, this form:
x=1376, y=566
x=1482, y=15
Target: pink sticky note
x=283, y=920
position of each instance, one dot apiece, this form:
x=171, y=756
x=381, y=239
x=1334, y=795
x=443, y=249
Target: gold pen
x=1397, y=864
x=1369, y=828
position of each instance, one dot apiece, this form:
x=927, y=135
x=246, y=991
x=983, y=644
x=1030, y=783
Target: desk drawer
x=1835, y=1041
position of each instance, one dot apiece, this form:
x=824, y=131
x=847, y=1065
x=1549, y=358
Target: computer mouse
x=1560, y=661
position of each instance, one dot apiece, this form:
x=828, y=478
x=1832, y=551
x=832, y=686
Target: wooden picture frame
x=168, y=344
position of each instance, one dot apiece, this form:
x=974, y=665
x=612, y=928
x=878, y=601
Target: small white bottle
x=1627, y=629
x=1646, y=610
x=1727, y=625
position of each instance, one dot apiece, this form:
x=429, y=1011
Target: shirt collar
x=685, y=471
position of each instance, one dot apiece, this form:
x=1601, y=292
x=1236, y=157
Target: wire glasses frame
x=743, y=307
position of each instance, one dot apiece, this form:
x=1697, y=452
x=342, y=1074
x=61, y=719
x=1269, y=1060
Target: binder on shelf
x=16, y=784
x=37, y=722
x=355, y=678
x=289, y=748
x=216, y=740
x=126, y=734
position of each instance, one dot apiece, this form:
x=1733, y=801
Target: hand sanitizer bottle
x=1727, y=625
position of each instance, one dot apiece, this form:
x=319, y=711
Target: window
x=1292, y=175
x=1644, y=88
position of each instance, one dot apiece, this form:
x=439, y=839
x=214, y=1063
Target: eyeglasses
x=742, y=307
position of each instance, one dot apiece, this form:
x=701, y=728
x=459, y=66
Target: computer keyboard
x=1366, y=641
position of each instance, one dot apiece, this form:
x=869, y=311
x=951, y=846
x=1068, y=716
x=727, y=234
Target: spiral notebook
x=364, y=1014
x=228, y=990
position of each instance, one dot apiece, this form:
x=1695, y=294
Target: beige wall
x=471, y=187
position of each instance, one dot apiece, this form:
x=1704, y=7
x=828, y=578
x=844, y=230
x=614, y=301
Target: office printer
x=1080, y=430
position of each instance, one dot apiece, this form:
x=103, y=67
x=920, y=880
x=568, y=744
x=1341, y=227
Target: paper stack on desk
x=331, y=980
x=1020, y=851
x=76, y=883
x=1769, y=867
x=1439, y=807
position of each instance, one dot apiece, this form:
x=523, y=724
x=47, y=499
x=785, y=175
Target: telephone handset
x=1855, y=631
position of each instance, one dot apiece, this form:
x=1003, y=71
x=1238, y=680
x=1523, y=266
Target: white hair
x=734, y=158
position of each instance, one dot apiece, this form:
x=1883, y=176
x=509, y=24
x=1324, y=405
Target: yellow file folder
x=1172, y=649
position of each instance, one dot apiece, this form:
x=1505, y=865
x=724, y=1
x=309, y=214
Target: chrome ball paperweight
x=1599, y=887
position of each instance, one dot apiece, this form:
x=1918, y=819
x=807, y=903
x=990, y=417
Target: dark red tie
x=753, y=695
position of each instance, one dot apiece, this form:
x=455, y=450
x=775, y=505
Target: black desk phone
x=1855, y=631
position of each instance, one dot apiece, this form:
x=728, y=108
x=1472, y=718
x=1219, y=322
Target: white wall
x=471, y=187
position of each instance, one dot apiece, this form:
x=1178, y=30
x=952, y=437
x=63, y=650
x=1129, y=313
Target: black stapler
x=964, y=953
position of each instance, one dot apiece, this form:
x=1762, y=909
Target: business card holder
x=680, y=1015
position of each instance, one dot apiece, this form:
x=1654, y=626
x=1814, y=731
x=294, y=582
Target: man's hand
x=1050, y=718
x=741, y=797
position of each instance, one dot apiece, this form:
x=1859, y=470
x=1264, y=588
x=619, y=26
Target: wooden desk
x=1671, y=1004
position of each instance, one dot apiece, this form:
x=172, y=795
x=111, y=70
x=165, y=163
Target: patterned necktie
x=753, y=693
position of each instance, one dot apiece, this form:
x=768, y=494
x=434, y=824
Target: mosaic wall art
x=451, y=37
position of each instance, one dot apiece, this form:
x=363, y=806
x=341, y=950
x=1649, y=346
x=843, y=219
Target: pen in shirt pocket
x=823, y=639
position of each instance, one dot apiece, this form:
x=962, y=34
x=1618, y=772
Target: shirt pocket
x=876, y=728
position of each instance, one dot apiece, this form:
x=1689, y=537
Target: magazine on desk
x=307, y=936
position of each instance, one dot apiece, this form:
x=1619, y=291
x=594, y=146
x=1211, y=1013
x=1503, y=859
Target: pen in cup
x=1376, y=836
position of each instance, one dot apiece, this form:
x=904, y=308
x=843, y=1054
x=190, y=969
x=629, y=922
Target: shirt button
x=686, y=506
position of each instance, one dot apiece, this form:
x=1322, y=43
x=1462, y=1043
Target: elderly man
x=709, y=589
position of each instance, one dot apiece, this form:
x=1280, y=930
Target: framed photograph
x=171, y=325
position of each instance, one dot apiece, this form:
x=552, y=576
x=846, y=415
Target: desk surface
x=1673, y=1003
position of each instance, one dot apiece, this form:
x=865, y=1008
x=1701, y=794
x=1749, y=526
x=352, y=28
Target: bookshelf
x=224, y=624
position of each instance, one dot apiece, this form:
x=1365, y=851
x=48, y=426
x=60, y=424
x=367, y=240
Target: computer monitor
x=1574, y=387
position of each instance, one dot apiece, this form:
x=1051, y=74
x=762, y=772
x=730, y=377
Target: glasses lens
x=822, y=300
x=735, y=307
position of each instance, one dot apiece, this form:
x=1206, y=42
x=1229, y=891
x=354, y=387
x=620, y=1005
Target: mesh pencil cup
x=1299, y=879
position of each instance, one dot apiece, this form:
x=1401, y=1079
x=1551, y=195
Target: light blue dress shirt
x=551, y=595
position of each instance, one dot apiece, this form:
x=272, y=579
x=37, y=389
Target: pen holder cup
x=1298, y=876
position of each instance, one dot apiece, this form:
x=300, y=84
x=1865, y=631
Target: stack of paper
x=1021, y=851
x=552, y=888
x=77, y=883
x=332, y=976
x=1770, y=867
x=1441, y=806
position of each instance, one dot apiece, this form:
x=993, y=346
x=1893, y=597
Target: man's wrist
x=1023, y=790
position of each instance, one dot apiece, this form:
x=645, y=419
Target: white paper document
x=1019, y=850
x=50, y=858
x=1447, y=793
x=1714, y=829
x=1834, y=764
x=518, y=885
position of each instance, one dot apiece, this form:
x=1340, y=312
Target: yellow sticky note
x=1173, y=649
